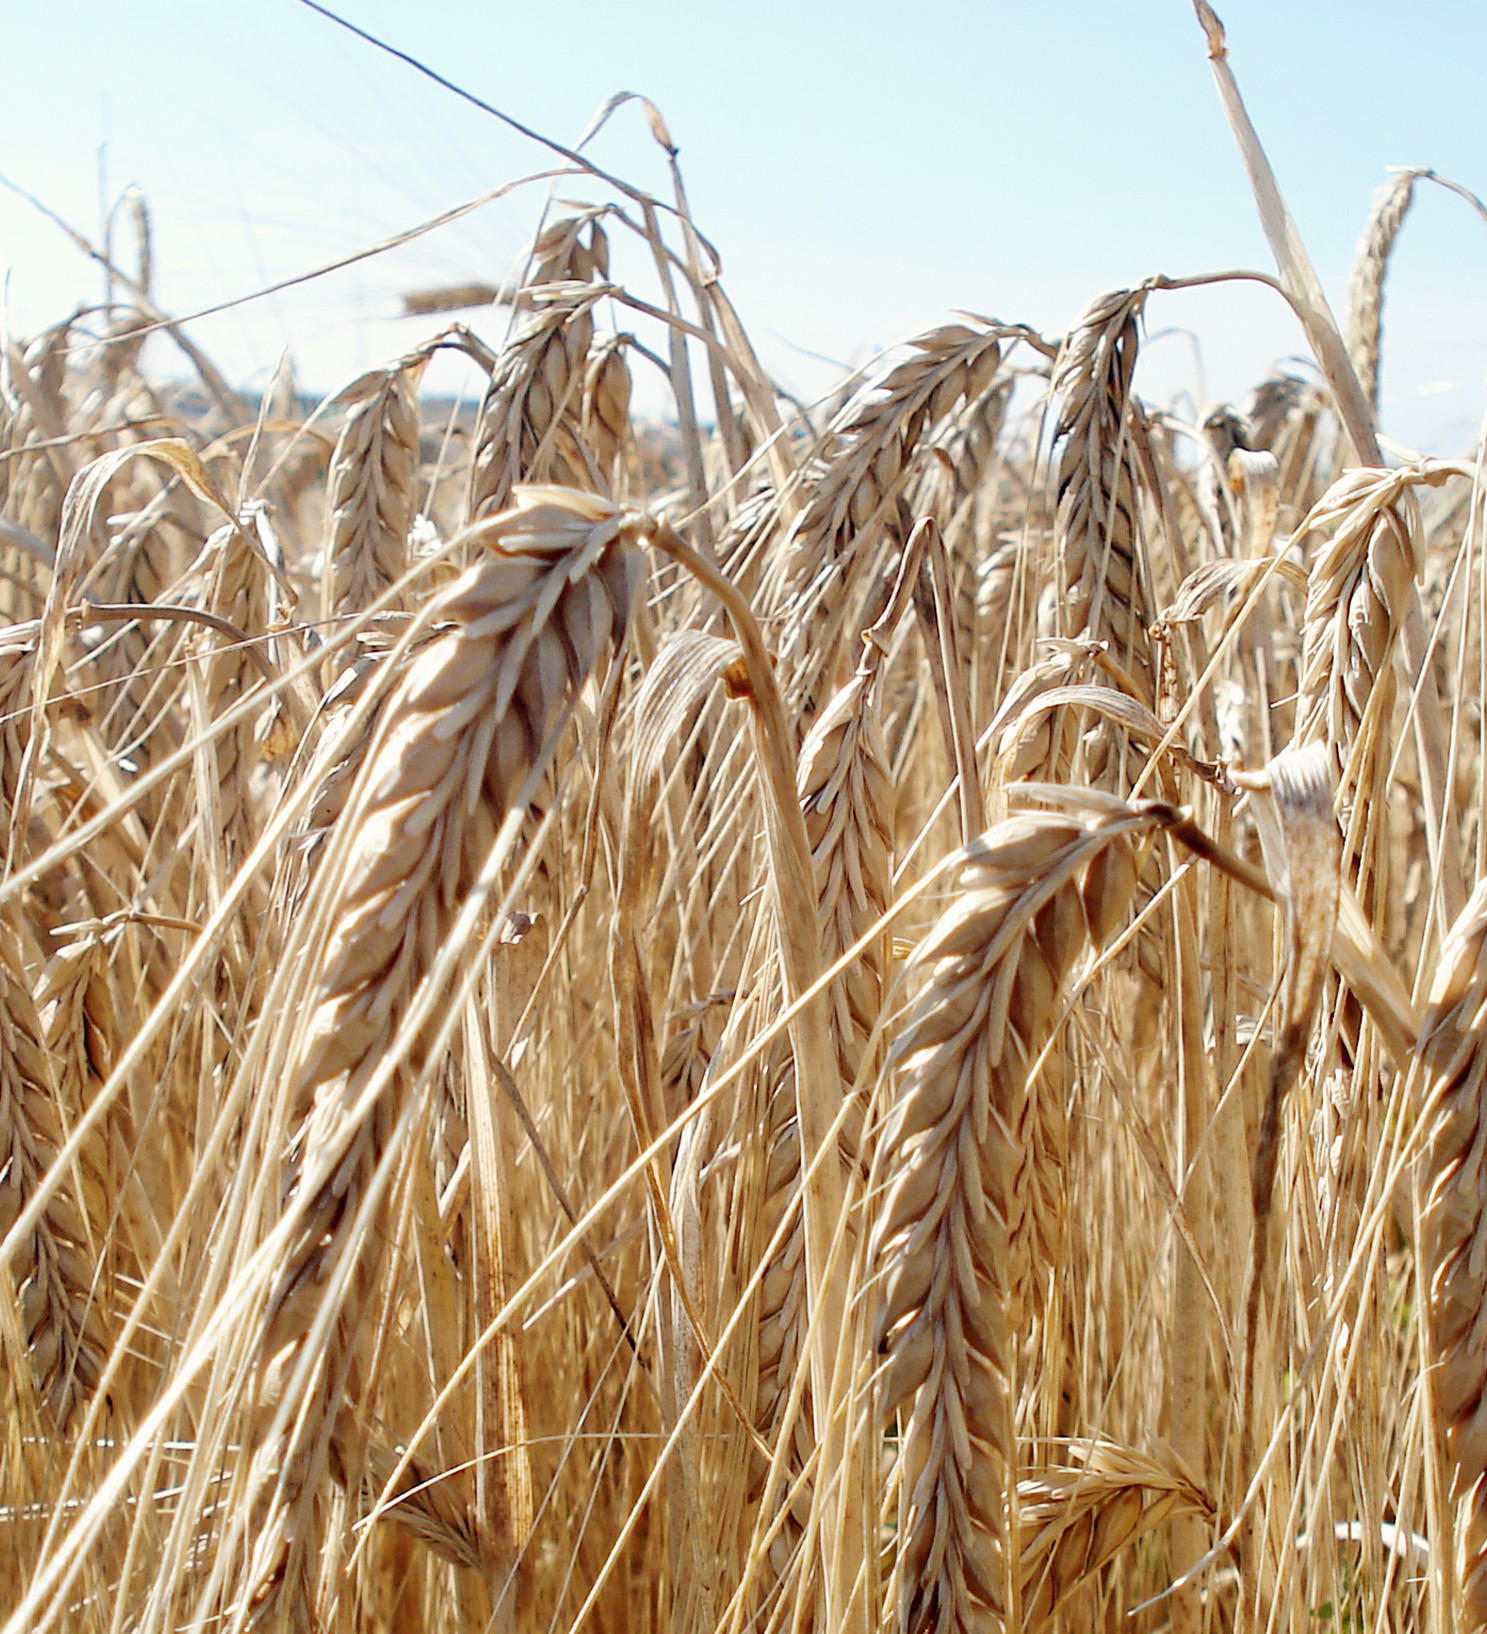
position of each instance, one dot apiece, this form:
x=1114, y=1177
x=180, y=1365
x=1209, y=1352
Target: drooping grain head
x=459, y=744
x=1097, y=481
x=1453, y=1232
x=1365, y=320
x=855, y=484
x=62, y=1323
x=371, y=490
x=955, y=1226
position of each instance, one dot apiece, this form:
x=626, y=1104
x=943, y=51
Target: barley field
x=848, y=1017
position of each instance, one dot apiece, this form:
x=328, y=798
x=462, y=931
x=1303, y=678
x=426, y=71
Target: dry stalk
x=846, y=795
x=817, y=1093
x=1293, y=799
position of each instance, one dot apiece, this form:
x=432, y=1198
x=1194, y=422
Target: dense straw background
x=671, y=1006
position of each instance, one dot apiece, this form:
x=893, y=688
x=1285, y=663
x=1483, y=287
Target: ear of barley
x=235, y=589
x=1365, y=319
x=1003, y=590
x=846, y=793
x=1364, y=535
x=951, y=1234
x=606, y=405
x=691, y=1039
x=530, y=424
x=143, y=490
x=1254, y=477
x=60, y=1309
x=962, y=486
x=1076, y=1516
x=18, y=646
x=530, y=419
x=1101, y=559
x=469, y=727
x=971, y=447
x=9, y=416
x=1452, y=1192
x=39, y=481
x=371, y=490
x=1029, y=742
x=572, y=249
x=1291, y=420
x=1361, y=613
x=855, y=481
x=1225, y=431
x=81, y=1027
x=1269, y=405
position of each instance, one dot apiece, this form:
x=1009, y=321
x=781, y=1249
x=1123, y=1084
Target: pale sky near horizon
x=863, y=169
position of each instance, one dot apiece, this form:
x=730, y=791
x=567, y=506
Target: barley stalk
x=846, y=795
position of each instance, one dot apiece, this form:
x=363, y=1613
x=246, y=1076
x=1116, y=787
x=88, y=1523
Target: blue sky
x=864, y=169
